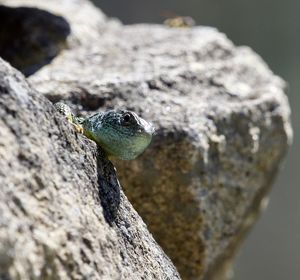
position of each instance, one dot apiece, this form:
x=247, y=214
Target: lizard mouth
x=146, y=127
x=150, y=129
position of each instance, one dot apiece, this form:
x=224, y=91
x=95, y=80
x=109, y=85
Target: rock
x=222, y=123
x=62, y=212
x=30, y=46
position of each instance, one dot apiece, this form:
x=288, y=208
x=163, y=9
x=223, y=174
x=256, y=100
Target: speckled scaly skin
x=120, y=133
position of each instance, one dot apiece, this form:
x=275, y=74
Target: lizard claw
x=66, y=111
x=77, y=127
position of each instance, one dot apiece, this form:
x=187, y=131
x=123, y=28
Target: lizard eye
x=126, y=118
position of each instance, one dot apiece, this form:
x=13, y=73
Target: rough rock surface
x=62, y=212
x=222, y=123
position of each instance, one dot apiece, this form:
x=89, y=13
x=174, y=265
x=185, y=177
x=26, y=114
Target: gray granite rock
x=62, y=212
x=222, y=123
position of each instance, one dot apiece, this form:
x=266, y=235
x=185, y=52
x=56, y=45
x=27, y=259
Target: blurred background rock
x=271, y=28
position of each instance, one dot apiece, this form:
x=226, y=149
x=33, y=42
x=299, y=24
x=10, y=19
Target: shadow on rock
x=109, y=188
x=30, y=38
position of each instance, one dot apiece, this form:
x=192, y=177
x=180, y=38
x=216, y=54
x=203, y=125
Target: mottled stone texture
x=62, y=212
x=222, y=123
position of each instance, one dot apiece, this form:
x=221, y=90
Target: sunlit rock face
x=221, y=118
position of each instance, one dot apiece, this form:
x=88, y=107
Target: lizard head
x=121, y=133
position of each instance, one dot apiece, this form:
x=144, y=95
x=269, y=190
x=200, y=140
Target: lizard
x=120, y=133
